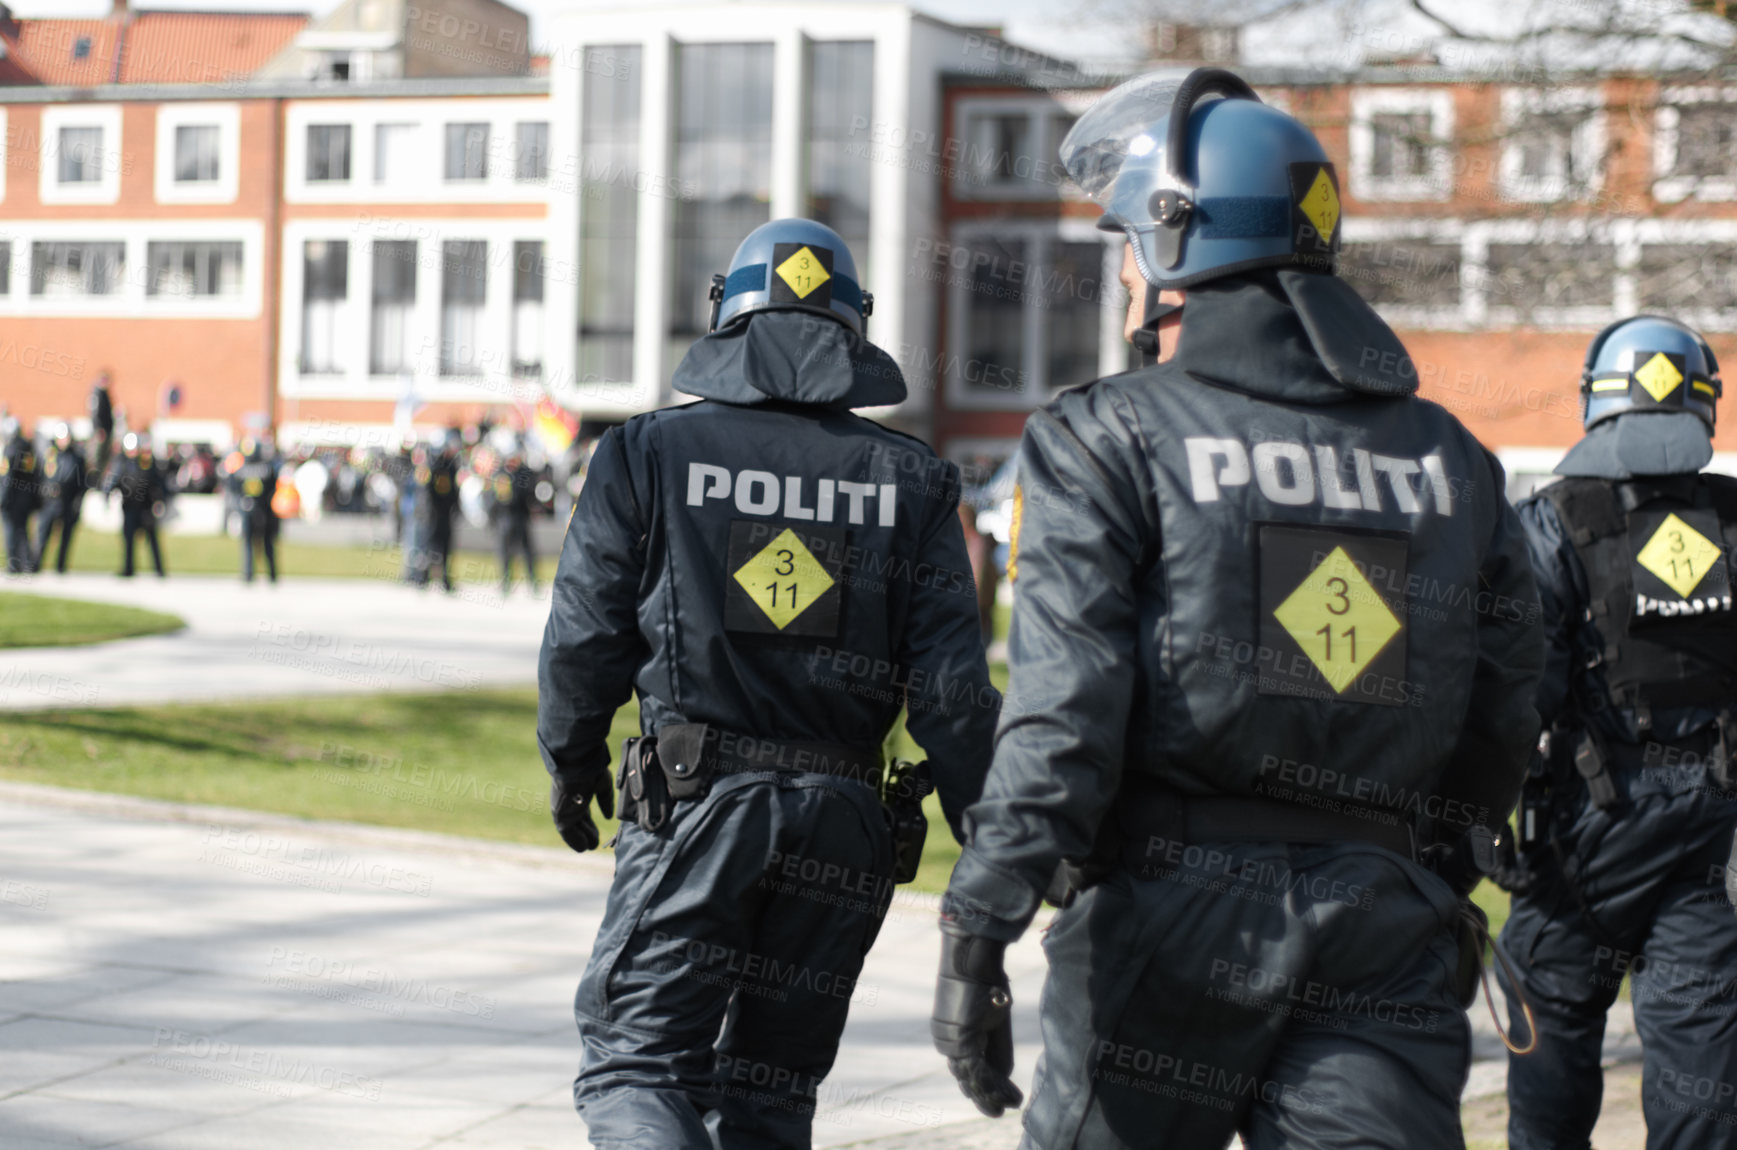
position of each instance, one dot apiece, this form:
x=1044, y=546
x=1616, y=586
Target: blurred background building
x=398, y=215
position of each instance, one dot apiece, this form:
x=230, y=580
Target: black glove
x=570, y=803
x=973, y=1022
x=1465, y=861
x=1512, y=873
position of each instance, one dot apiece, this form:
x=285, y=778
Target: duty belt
x=1151, y=816
x=698, y=750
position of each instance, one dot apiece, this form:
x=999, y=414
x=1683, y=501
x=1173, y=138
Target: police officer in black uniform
x=512, y=493
x=775, y=577
x=144, y=489
x=65, y=484
x=1273, y=643
x=1627, y=820
x=252, y=486
x=20, y=496
x=436, y=504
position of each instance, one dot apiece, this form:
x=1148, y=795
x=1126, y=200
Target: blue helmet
x=1648, y=363
x=792, y=265
x=1205, y=187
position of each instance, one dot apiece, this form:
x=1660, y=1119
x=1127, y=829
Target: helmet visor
x=1127, y=122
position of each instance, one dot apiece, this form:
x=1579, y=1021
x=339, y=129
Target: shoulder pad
x=1588, y=508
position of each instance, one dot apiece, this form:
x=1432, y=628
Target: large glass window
x=394, y=153
x=996, y=286
x=467, y=151
x=1551, y=275
x=325, y=288
x=394, y=301
x=191, y=270
x=81, y=156
x=608, y=217
x=1706, y=141
x=1407, y=273
x=328, y=152
x=1687, y=277
x=841, y=89
x=1399, y=145
x=464, y=269
x=1072, y=294
x=72, y=269
x=528, y=308
x=723, y=154
x=198, y=153
x=999, y=147
x=531, y=151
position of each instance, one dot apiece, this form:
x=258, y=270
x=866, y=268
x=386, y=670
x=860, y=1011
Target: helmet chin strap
x=1145, y=340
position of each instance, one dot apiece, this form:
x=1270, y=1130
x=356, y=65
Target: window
x=198, y=148
x=325, y=287
x=75, y=269
x=81, y=48
x=81, y=155
x=463, y=284
x=1706, y=141
x=998, y=146
x=1553, y=143
x=467, y=151
x=531, y=152
x=1400, y=143
x=394, y=302
x=394, y=153
x=1687, y=278
x=839, y=163
x=608, y=218
x=5, y=267
x=723, y=158
x=1403, y=273
x=528, y=308
x=328, y=152
x=1526, y=277
x=1072, y=292
x=995, y=317
x=189, y=270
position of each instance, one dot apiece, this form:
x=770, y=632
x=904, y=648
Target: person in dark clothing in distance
x=64, y=488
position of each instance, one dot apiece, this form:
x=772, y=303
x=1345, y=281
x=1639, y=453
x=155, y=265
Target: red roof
x=155, y=47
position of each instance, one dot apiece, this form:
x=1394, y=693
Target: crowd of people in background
x=487, y=474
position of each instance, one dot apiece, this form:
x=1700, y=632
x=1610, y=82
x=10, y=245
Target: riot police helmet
x=1649, y=364
x=1205, y=179
x=792, y=265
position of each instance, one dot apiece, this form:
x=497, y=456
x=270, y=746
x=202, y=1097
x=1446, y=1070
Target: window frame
x=106, y=189
x=1668, y=187
x=1039, y=236
x=1048, y=180
x=350, y=157
x=1586, y=143
x=1433, y=186
x=488, y=145
x=226, y=118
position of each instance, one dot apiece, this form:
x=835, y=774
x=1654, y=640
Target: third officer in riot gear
x=65, y=482
x=1627, y=820
x=1273, y=641
x=144, y=489
x=775, y=577
x=253, y=486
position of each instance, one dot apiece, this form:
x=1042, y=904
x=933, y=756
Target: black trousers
x=515, y=537
x=20, y=560
x=1635, y=890
x=53, y=515
x=261, y=534
x=133, y=521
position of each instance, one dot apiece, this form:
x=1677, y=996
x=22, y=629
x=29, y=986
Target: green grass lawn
x=219, y=555
x=40, y=621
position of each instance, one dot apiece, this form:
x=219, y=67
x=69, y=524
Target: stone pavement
x=183, y=978
x=299, y=637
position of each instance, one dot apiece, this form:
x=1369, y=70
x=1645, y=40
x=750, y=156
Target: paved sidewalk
x=192, y=978
x=299, y=637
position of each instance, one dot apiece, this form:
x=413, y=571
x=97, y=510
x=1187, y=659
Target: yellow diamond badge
x=1338, y=619
x=1659, y=376
x=1321, y=205
x=784, y=579
x=804, y=272
x=1678, y=554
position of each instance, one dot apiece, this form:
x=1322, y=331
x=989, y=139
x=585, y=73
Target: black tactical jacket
x=253, y=486
x=67, y=480
x=139, y=479
x=1575, y=689
x=512, y=492
x=1260, y=569
x=769, y=563
x=21, y=484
